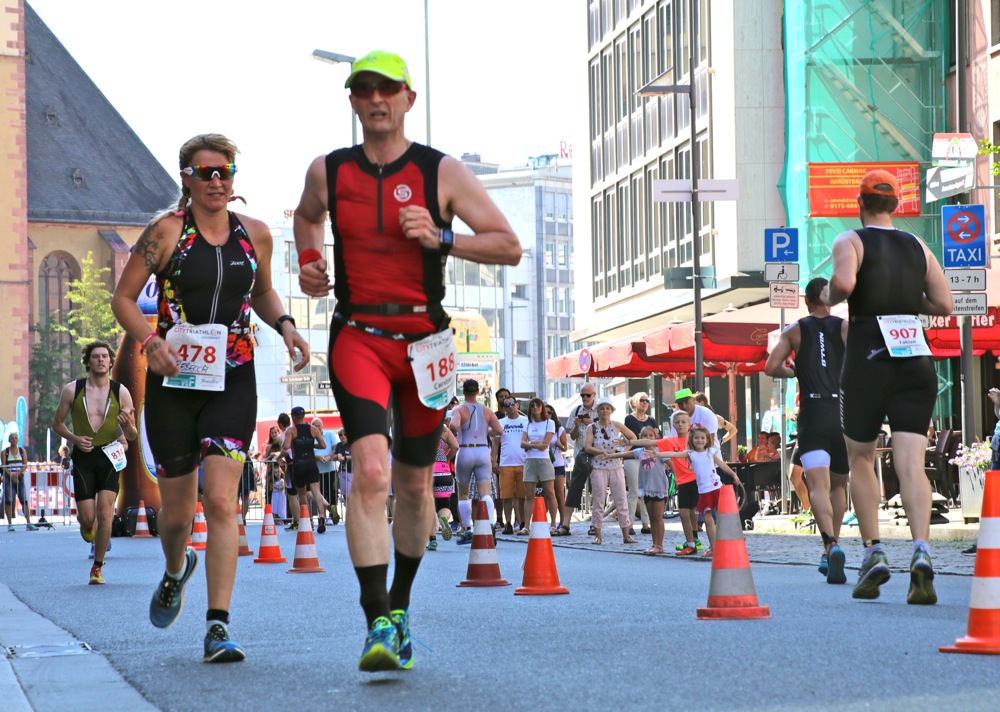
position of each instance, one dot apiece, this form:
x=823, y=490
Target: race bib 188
x=433, y=363
x=202, y=352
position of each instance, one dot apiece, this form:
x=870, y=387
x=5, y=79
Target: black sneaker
x=219, y=648
x=971, y=551
x=169, y=597
x=321, y=525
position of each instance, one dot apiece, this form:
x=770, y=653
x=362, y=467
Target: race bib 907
x=904, y=335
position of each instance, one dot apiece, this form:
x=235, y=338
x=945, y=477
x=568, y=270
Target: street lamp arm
x=333, y=57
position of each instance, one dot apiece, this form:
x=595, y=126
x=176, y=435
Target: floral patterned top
x=209, y=284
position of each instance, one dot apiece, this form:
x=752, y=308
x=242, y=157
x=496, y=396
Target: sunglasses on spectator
x=223, y=172
x=644, y=400
x=385, y=87
x=586, y=395
x=510, y=404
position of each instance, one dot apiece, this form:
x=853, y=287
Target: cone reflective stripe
x=199, y=534
x=731, y=593
x=141, y=523
x=270, y=552
x=984, y=603
x=306, y=560
x=484, y=569
x=540, y=575
x=245, y=549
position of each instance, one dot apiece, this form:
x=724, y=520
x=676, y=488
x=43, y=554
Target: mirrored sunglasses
x=206, y=173
x=385, y=87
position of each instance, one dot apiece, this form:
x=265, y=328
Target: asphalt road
x=625, y=635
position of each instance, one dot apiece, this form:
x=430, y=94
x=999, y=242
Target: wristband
x=281, y=320
x=142, y=347
x=308, y=256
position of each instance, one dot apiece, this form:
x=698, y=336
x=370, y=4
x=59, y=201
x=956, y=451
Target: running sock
x=871, y=547
x=98, y=564
x=180, y=574
x=827, y=540
x=491, y=508
x=216, y=615
x=433, y=538
x=374, y=596
x=465, y=512
x=919, y=544
x=402, y=581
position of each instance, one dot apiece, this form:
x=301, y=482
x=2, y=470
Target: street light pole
x=334, y=58
x=658, y=87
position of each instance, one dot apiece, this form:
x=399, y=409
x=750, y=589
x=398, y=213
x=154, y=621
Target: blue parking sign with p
x=781, y=244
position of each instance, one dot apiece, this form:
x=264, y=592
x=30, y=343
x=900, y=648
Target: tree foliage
x=90, y=318
x=988, y=148
x=49, y=370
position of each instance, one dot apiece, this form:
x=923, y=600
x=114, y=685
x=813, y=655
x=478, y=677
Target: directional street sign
x=967, y=304
x=781, y=271
x=964, y=235
x=966, y=280
x=300, y=378
x=781, y=244
x=709, y=190
x=323, y=385
x=784, y=295
x=944, y=182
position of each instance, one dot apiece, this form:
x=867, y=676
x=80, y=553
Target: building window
x=522, y=348
x=550, y=255
x=519, y=291
x=550, y=300
x=54, y=276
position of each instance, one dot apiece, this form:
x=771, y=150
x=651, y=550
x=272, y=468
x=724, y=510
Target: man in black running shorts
x=391, y=203
x=818, y=343
x=888, y=278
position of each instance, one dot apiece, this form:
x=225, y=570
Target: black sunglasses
x=385, y=87
x=510, y=404
x=644, y=400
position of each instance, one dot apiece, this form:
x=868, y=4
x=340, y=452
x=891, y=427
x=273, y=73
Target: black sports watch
x=447, y=241
x=281, y=320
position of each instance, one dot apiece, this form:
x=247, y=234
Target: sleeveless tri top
x=15, y=462
x=208, y=284
x=473, y=429
x=890, y=281
x=108, y=431
x=820, y=356
x=303, y=446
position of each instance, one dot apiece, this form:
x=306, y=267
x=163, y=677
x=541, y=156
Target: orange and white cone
x=484, y=569
x=141, y=523
x=306, y=561
x=540, y=575
x=731, y=594
x=245, y=549
x=199, y=534
x=984, y=606
x=270, y=551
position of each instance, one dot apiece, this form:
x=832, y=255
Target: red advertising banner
x=833, y=188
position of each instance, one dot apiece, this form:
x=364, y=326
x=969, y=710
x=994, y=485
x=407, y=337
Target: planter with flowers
x=741, y=453
x=973, y=461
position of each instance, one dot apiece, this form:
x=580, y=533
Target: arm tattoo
x=153, y=347
x=147, y=247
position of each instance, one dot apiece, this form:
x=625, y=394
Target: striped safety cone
x=245, y=549
x=141, y=523
x=270, y=551
x=484, y=569
x=984, y=606
x=731, y=593
x=306, y=560
x=199, y=533
x=540, y=575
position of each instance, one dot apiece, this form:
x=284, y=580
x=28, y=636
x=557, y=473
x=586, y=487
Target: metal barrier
x=50, y=489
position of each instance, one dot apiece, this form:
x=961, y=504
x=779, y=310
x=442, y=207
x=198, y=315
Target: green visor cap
x=387, y=64
x=683, y=394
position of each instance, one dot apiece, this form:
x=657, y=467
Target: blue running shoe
x=824, y=563
x=921, y=591
x=381, y=650
x=169, y=597
x=836, y=574
x=874, y=572
x=464, y=538
x=402, y=621
x=219, y=648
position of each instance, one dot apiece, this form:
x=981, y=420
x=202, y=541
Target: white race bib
x=116, y=453
x=433, y=363
x=202, y=352
x=904, y=335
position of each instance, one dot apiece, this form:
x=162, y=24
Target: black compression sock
x=214, y=614
x=374, y=597
x=402, y=581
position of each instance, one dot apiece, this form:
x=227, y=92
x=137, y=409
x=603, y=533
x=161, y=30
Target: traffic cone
x=731, y=594
x=245, y=549
x=270, y=552
x=199, y=534
x=984, y=606
x=484, y=570
x=141, y=524
x=306, y=561
x=540, y=575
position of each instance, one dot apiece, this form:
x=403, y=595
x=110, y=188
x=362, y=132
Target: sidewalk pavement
x=775, y=539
